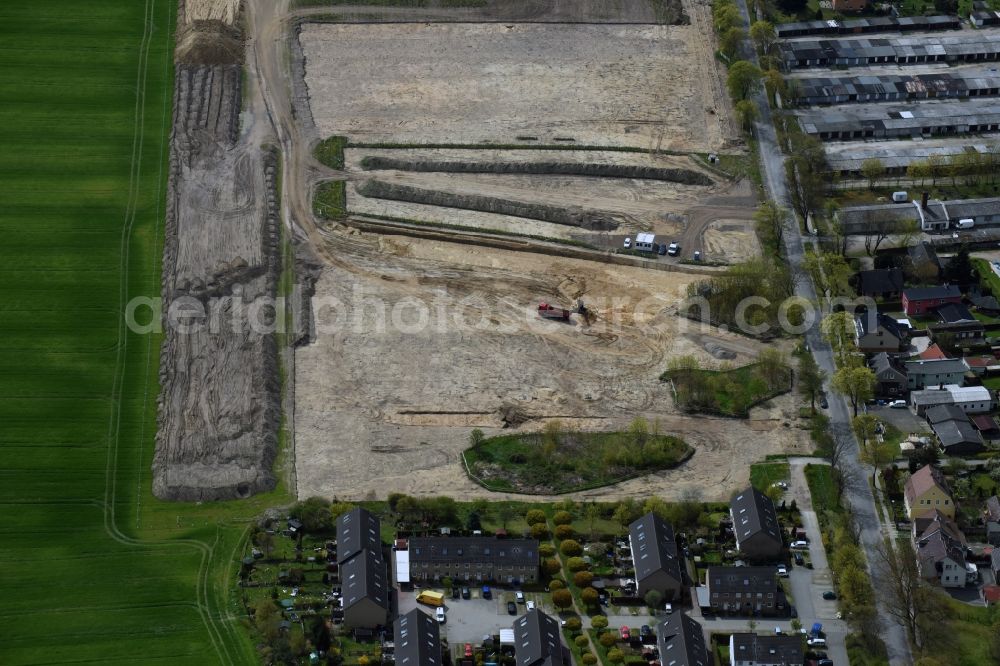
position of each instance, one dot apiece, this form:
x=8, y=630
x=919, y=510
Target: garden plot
x=616, y=85
x=389, y=407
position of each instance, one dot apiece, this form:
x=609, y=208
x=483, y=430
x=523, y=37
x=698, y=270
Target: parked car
x=531, y=605
x=777, y=631
x=697, y=255
x=626, y=635
x=512, y=608
x=829, y=595
x=468, y=649
x=823, y=402
x=897, y=404
x=668, y=608
x=645, y=631
x=663, y=249
x=799, y=560
x=519, y=597
x=466, y=593
x=486, y=592
x=455, y=593
x=628, y=243
x=800, y=545
x=673, y=249
x=439, y=614
x=783, y=571
x=816, y=642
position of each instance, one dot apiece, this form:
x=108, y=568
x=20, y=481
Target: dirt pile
x=584, y=219
x=219, y=402
x=686, y=176
x=207, y=33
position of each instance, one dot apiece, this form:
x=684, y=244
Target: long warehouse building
x=847, y=159
x=868, y=25
x=887, y=121
x=963, y=46
x=829, y=90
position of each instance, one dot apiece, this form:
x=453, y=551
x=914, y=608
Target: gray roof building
x=958, y=436
x=365, y=590
x=765, y=650
x=964, y=46
x=536, y=640
x=755, y=523
x=655, y=556
x=846, y=158
x=417, y=639
x=867, y=25
x=868, y=88
x=358, y=530
x=681, y=641
x=881, y=282
x=890, y=120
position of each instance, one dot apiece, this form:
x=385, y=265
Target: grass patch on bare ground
x=726, y=392
x=330, y=151
x=823, y=489
x=330, y=199
x=561, y=462
x=764, y=475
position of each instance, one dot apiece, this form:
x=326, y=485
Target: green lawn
x=822, y=489
x=763, y=475
x=330, y=199
x=987, y=277
x=94, y=568
x=560, y=461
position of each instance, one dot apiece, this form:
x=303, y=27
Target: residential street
x=857, y=492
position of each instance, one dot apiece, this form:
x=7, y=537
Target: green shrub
x=562, y=518
x=570, y=547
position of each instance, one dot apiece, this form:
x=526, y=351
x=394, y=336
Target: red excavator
x=547, y=311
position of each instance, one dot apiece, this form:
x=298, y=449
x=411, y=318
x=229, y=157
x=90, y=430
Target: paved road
x=857, y=492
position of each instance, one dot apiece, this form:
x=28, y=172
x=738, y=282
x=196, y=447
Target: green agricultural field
x=93, y=568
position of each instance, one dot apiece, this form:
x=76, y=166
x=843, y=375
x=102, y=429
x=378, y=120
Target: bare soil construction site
x=420, y=334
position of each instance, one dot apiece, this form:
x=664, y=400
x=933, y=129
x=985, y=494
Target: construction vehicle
x=547, y=311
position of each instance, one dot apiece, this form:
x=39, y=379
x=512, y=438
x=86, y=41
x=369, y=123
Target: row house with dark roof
x=755, y=524
x=417, y=639
x=658, y=563
x=474, y=558
x=681, y=641
x=537, y=641
x=746, y=591
x=747, y=649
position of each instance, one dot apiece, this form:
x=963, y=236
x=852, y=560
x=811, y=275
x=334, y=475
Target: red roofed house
x=982, y=365
x=927, y=490
x=932, y=353
x=991, y=594
x=986, y=425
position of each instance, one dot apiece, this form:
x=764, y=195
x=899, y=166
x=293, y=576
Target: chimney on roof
x=923, y=201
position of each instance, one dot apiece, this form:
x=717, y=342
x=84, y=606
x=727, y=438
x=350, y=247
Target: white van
x=966, y=223
x=899, y=197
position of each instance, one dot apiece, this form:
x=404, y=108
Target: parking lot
x=469, y=620
x=903, y=419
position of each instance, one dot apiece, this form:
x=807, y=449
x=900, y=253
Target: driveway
x=903, y=419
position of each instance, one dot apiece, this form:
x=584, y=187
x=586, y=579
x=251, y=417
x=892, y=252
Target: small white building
x=971, y=399
x=644, y=242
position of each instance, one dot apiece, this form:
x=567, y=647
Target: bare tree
x=898, y=567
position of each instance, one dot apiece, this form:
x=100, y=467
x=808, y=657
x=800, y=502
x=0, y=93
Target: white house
x=644, y=242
